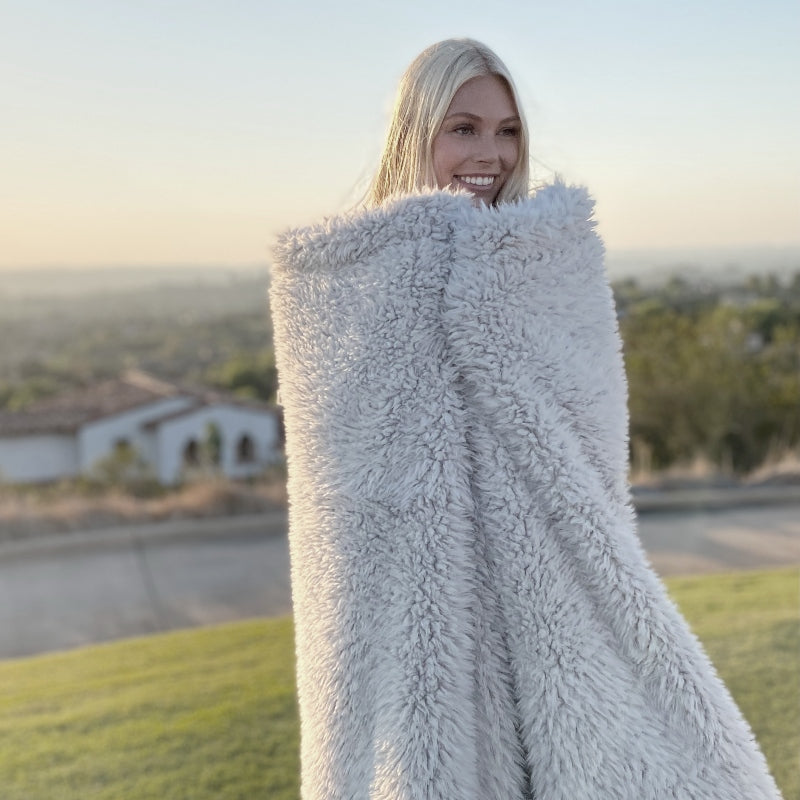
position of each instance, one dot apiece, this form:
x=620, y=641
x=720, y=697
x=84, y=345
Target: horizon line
x=674, y=250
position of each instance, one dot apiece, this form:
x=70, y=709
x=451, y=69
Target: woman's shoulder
x=559, y=198
x=553, y=210
x=356, y=234
x=554, y=201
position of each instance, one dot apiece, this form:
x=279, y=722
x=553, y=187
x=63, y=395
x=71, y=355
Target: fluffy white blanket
x=475, y=619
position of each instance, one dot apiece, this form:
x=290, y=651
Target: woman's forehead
x=484, y=96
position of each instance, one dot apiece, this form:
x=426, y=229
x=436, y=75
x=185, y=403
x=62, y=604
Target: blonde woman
x=433, y=124
x=475, y=619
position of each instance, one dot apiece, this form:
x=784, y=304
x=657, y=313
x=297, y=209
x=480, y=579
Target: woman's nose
x=486, y=151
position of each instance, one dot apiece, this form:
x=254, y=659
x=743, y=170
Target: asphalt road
x=723, y=540
x=71, y=590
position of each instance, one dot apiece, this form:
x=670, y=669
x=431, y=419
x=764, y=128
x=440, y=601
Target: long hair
x=423, y=97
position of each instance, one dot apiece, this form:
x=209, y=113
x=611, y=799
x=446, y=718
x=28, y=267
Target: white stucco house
x=168, y=426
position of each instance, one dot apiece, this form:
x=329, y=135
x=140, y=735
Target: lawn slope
x=210, y=713
x=198, y=714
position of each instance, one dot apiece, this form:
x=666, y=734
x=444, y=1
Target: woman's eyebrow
x=477, y=118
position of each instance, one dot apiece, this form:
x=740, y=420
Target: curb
x=272, y=523
x=275, y=523
x=693, y=500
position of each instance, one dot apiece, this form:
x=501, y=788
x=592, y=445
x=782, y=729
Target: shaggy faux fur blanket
x=475, y=619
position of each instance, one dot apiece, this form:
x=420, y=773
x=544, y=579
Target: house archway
x=191, y=453
x=245, y=450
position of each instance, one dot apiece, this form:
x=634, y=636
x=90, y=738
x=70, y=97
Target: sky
x=171, y=132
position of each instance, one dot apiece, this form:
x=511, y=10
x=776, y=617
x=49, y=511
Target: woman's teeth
x=485, y=180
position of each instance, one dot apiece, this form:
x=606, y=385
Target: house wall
x=37, y=458
x=233, y=422
x=97, y=439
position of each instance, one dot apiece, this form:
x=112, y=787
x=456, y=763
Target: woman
x=432, y=127
x=474, y=615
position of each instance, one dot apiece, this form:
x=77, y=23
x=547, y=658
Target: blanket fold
x=475, y=618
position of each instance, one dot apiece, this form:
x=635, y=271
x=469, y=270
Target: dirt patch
x=26, y=514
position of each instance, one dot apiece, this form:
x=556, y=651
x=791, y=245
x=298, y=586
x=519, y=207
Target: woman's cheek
x=510, y=150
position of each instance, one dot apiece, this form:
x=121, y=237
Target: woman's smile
x=477, y=180
x=477, y=146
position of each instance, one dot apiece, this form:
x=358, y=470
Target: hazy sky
x=188, y=131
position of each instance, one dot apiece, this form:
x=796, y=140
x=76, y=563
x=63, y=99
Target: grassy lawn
x=211, y=713
x=749, y=623
x=197, y=714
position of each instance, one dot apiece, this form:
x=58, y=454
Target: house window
x=191, y=453
x=246, y=450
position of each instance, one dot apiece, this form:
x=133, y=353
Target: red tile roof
x=67, y=412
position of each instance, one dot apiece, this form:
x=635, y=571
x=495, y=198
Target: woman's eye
x=463, y=129
x=509, y=132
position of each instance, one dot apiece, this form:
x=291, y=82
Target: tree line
x=713, y=370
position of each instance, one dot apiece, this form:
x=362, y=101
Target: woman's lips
x=476, y=182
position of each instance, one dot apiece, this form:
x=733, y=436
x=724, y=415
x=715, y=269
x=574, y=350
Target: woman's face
x=477, y=146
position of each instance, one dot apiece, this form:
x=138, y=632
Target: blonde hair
x=423, y=97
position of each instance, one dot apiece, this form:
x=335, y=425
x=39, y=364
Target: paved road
x=58, y=593
x=685, y=543
x=64, y=592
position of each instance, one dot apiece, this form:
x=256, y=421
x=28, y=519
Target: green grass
x=749, y=623
x=211, y=713
x=191, y=715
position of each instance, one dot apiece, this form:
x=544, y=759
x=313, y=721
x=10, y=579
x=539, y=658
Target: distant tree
x=722, y=382
x=123, y=468
x=252, y=375
x=19, y=396
x=212, y=445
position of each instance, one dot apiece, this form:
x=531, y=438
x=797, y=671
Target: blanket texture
x=475, y=618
